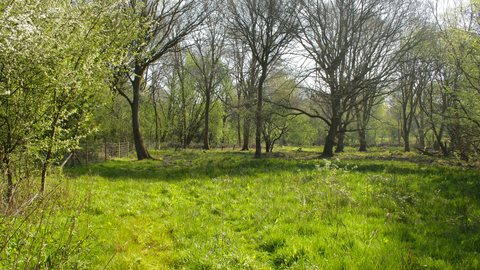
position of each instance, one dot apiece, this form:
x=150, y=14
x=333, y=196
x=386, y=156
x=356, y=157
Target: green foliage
x=113, y=119
x=224, y=210
x=54, y=58
x=47, y=231
x=304, y=131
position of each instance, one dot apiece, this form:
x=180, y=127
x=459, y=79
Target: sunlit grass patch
x=226, y=210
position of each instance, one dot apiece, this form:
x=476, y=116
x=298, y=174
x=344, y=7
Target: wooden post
x=73, y=158
x=86, y=155
x=119, y=155
x=105, y=150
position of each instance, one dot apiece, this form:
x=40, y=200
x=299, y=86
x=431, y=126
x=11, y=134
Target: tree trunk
x=206, y=142
x=157, y=124
x=421, y=139
x=407, y=144
x=46, y=164
x=258, y=115
x=239, y=130
x=157, y=138
x=142, y=152
x=267, y=146
x=399, y=135
x=44, y=173
x=330, y=140
x=340, y=142
x=184, y=116
x=438, y=142
x=164, y=136
x=362, y=134
x=406, y=139
x=246, y=134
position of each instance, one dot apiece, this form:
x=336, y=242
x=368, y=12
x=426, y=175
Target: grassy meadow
x=290, y=210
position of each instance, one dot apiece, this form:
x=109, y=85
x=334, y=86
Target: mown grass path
x=226, y=210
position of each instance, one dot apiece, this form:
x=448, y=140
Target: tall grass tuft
x=43, y=231
x=226, y=210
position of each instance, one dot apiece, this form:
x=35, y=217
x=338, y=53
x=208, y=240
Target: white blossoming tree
x=54, y=57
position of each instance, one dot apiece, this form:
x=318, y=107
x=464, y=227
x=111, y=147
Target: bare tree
x=343, y=129
x=158, y=82
x=207, y=50
x=162, y=25
x=354, y=46
x=436, y=101
x=370, y=98
x=413, y=74
x=267, y=27
x=245, y=72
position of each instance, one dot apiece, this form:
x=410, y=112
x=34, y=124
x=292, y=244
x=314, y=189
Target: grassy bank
x=226, y=210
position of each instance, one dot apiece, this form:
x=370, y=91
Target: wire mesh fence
x=96, y=152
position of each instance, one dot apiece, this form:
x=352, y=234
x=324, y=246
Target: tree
x=363, y=112
x=206, y=52
x=245, y=72
x=460, y=48
x=54, y=57
x=348, y=118
x=413, y=74
x=180, y=101
x=154, y=89
x=276, y=121
x=436, y=99
x=161, y=26
x=267, y=27
x=354, y=46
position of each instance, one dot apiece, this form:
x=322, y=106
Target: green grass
x=226, y=210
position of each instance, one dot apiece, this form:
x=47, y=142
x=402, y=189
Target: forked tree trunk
x=362, y=135
x=267, y=146
x=438, y=140
x=330, y=140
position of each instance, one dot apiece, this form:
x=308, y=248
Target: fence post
x=119, y=155
x=73, y=158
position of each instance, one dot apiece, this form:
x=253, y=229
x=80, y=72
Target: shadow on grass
x=178, y=166
x=432, y=209
x=451, y=181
